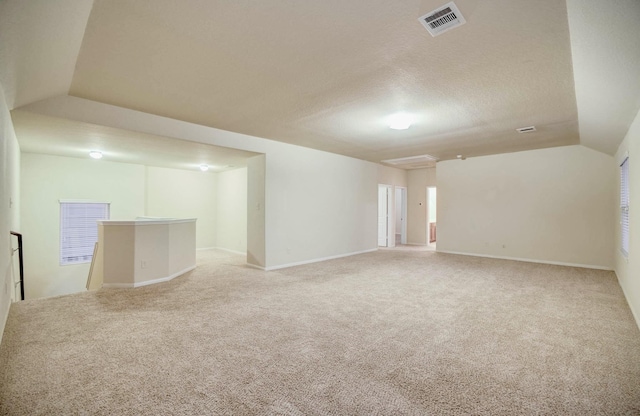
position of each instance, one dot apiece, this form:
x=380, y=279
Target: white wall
x=628, y=268
x=551, y=205
x=9, y=207
x=392, y=176
x=231, y=211
x=184, y=194
x=256, y=183
x=418, y=180
x=48, y=179
x=133, y=190
x=317, y=204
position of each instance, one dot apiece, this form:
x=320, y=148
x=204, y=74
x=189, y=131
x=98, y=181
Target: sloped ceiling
x=605, y=42
x=327, y=74
x=61, y=137
x=39, y=45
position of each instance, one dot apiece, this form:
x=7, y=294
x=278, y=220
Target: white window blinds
x=624, y=206
x=79, y=230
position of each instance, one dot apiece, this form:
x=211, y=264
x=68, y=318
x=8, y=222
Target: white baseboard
x=147, y=282
x=223, y=249
x=255, y=266
x=300, y=263
x=4, y=317
x=627, y=298
x=243, y=253
x=555, y=263
x=205, y=248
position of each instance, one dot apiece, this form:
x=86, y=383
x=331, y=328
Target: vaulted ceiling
x=327, y=74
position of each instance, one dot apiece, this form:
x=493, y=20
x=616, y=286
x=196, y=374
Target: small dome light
x=204, y=168
x=96, y=154
x=400, y=121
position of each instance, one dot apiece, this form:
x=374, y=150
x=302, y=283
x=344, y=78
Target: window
x=79, y=230
x=624, y=206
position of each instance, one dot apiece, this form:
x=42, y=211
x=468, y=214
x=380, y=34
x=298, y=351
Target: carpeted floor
x=389, y=333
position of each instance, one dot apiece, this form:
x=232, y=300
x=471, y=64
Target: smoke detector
x=442, y=19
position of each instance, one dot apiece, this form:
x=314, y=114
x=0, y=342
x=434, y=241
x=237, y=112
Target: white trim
x=206, y=248
x=243, y=253
x=627, y=298
x=299, y=263
x=555, y=263
x=404, y=207
x=146, y=222
x=390, y=238
x=147, y=282
x=82, y=201
x=4, y=318
x=255, y=266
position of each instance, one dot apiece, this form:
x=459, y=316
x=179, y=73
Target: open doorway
x=431, y=217
x=401, y=216
x=384, y=218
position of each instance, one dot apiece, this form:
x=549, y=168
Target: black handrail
x=21, y=263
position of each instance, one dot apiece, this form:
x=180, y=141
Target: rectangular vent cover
x=442, y=19
x=412, y=162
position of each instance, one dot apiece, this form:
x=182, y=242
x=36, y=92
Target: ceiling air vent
x=413, y=162
x=526, y=129
x=442, y=19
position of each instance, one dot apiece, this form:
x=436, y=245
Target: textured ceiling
x=326, y=74
x=39, y=44
x=62, y=137
x=607, y=90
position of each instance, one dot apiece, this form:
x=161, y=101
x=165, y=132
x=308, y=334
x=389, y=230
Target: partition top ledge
x=147, y=221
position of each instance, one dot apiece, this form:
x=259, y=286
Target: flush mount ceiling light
x=96, y=154
x=400, y=121
x=204, y=168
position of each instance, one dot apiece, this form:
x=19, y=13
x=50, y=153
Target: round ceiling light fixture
x=400, y=121
x=96, y=154
x=204, y=167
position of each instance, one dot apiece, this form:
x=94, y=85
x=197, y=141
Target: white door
x=401, y=214
x=383, y=215
x=431, y=215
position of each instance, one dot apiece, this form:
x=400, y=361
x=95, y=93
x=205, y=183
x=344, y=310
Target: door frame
x=403, y=213
x=390, y=242
x=428, y=230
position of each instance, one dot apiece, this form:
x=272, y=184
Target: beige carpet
x=388, y=333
